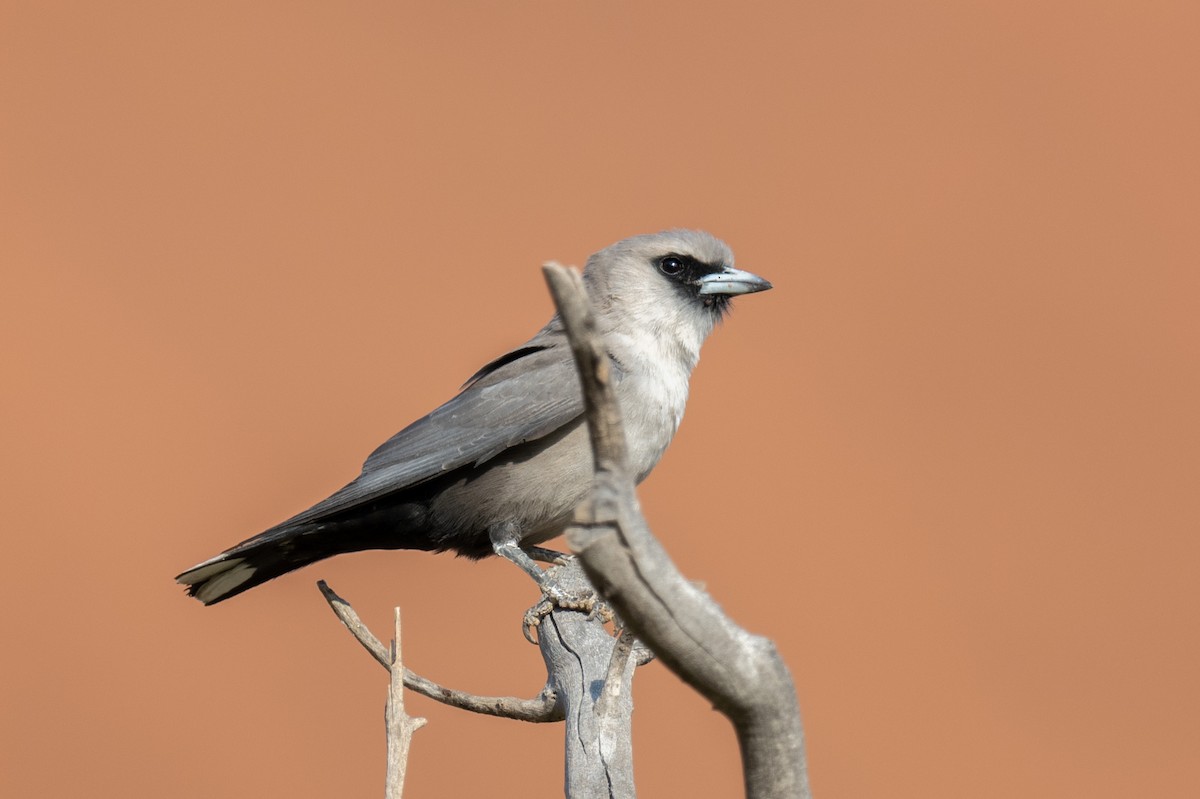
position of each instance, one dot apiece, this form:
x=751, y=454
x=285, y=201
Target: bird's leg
x=506, y=542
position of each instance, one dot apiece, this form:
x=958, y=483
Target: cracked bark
x=588, y=686
x=592, y=675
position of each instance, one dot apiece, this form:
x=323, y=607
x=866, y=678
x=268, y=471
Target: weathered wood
x=592, y=675
x=400, y=726
x=542, y=708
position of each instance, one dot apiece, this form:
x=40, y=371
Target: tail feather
x=255, y=561
x=399, y=524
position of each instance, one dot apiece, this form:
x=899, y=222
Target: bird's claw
x=551, y=556
x=554, y=597
x=533, y=619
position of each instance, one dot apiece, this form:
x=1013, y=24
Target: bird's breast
x=652, y=404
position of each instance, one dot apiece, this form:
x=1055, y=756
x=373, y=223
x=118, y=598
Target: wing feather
x=519, y=397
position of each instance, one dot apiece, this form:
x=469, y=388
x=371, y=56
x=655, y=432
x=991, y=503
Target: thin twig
x=542, y=708
x=400, y=726
x=354, y=624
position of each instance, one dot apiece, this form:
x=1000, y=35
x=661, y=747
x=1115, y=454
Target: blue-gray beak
x=732, y=281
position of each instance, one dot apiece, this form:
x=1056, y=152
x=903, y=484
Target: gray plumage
x=506, y=461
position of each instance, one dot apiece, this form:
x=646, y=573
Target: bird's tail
x=264, y=557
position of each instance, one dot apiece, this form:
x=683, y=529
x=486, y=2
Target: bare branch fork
x=542, y=708
x=579, y=654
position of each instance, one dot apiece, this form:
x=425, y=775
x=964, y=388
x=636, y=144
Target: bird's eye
x=670, y=265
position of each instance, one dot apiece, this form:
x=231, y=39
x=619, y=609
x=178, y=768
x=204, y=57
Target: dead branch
x=579, y=654
x=592, y=674
x=400, y=725
x=542, y=708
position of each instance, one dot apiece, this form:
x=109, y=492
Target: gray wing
x=521, y=396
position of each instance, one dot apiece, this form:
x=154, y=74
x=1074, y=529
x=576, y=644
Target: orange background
x=949, y=464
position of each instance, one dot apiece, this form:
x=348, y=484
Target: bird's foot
x=555, y=596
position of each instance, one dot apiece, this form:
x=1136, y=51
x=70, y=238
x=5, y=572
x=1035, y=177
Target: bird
x=500, y=467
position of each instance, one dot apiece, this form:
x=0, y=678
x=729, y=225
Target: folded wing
x=519, y=397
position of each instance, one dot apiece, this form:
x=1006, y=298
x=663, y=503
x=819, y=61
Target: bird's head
x=676, y=282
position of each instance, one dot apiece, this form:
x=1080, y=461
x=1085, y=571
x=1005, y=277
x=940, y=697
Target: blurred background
x=949, y=464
